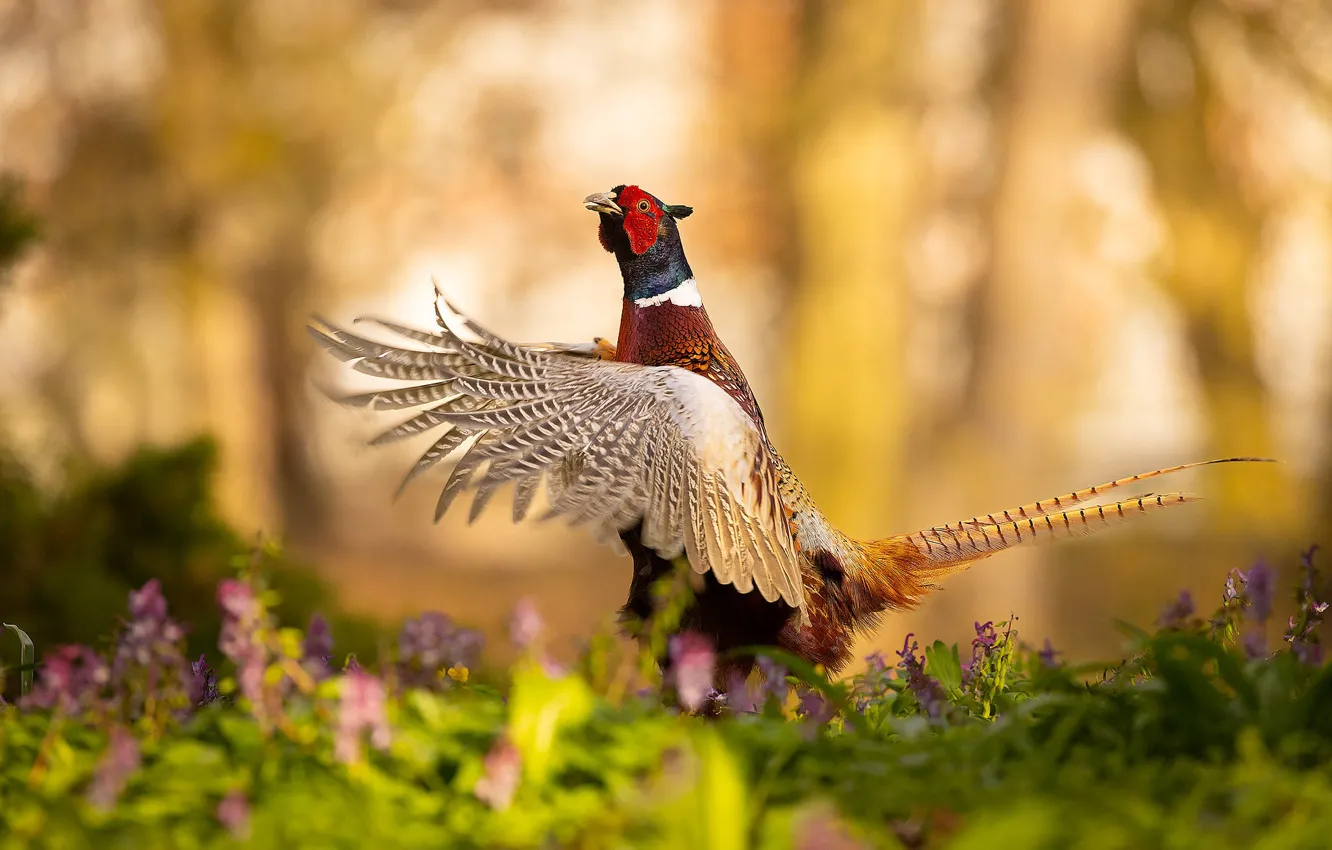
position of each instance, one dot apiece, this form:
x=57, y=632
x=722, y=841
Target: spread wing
x=616, y=444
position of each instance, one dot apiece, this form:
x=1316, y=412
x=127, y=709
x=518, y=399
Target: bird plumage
x=659, y=443
x=618, y=444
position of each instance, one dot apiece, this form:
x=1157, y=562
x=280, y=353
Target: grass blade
x=27, y=657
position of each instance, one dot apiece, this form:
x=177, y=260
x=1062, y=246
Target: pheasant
x=659, y=444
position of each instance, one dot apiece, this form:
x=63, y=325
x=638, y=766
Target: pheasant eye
x=643, y=206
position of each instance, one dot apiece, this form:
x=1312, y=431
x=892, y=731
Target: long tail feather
x=1077, y=497
x=952, y=548
x=947, y=549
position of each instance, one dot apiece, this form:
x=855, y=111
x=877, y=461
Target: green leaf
x=542, y=707
x=27, y=657
x=720, y=795
x=942, y=662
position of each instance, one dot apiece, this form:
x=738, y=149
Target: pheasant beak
x=602, y=202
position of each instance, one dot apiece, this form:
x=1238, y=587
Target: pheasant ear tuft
x=679, y=211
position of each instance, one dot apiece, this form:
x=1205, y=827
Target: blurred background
x=971, y=253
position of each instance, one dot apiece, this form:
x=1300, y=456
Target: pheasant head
x=643, y=234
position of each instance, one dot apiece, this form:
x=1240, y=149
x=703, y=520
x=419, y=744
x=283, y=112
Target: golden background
x=971, y=253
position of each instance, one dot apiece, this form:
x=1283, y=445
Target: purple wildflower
x=1048, y=653
x=317, y=649
x=929, y=693
x=815, y=707
x=430, y=644
x=1232, y=592
x=502, y=768
x=233, y=812
x=1252, y=590
x=873, y=683
x=1308, y=653
x=1302, y=630
x=1307, y=561
x=148, y=603
x=362, y=708
x=692, y=663
x=203, y=682
x=1177, y=614
x=72, y=678
x=318, y=642
x=645, y=692
x=1259, y=585
x=741, y=697
x=149, y=651
x=525, y=626
x=1256, y=592
x=117, y=764
x=981, y=647
x=774, y=681
x=1255, y=644
x=985, y=637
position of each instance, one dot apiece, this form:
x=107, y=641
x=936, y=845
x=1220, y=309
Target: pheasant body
x=669, y=334
x=662, y=444
x=671, y=327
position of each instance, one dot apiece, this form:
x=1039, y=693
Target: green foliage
x=1189, y=743
x=72, y=557
x=27, y=656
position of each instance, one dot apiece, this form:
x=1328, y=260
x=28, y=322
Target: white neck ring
x=684, y=295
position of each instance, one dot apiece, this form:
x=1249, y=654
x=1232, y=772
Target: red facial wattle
x=639, y=225
x=641, y=228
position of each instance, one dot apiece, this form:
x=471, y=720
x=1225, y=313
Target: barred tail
x=1077, y=497
x=951, y=548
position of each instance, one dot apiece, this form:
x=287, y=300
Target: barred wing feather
x=616, y=443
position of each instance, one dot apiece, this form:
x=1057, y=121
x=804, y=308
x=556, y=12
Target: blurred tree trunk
x=758, y=48
x=281, y=285
x=744, y=189
x=1213, y=248
x=257, y=176
x=1063, y=69
x=852, y=178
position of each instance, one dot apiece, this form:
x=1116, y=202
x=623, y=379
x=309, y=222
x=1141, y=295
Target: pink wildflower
x=503, y=770
x=362, y=708
x=117, y=765
x=692, y=665
x=234, y=814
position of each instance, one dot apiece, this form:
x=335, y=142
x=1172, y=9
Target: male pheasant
x=659, y=442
